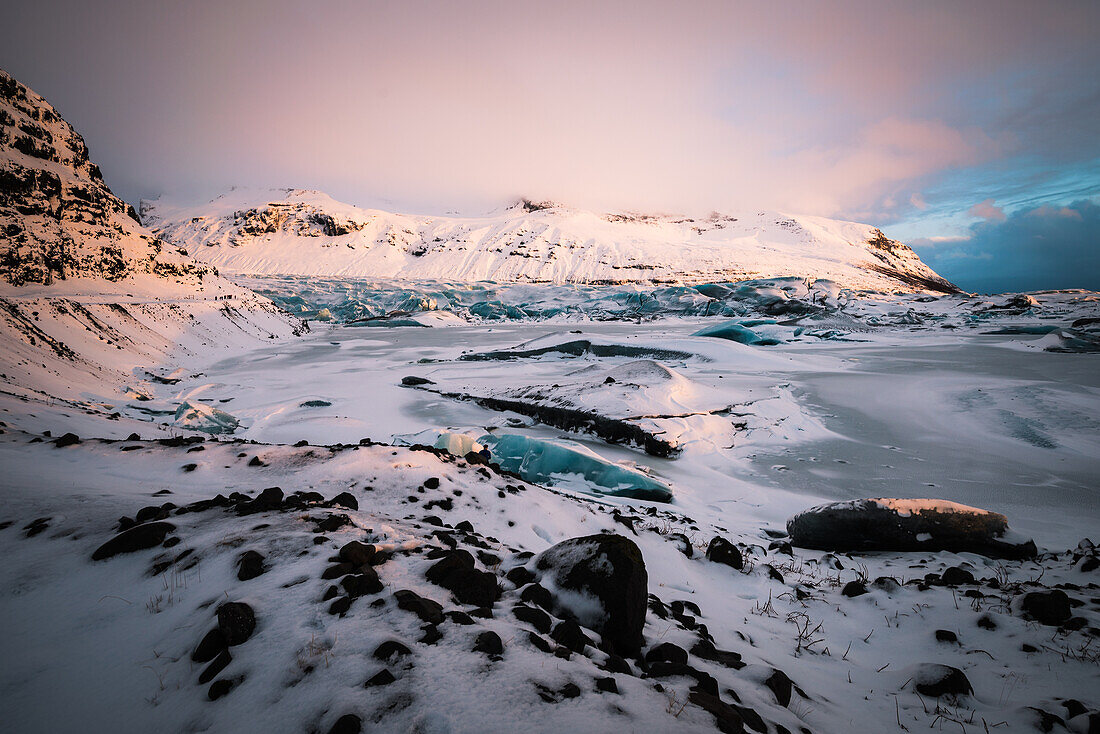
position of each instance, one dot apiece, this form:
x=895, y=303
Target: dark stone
x=136, y=538
x=459, y=617
x=1047, y=607
x=489, y=643
x=209, y=646
x=216, y=666
x=456, y=573
x=956, y=576
x=539, y=642
x=537, y=618
x=431, y=483
x=332, y=523
x=986, y=622
x=330, y=593
x=69, y=439
x=340, y=606
x=219, y=688
x=255, y=461
x=617, y=664
x=854, y=588
x=361, y=584
x=346, y=500
x=347, y=724
x=269, y=499
x=428, y=610
x=781, y=686
x=356, y=553
x=871, y=525
x=722, y=551
x=391, y=650
x=412, y=380
x=520, y=576
x=570, y=690
x=250, y=565
x=569, y=634
x=382, y=678
x=538, y=595
x=607, y=685
x=338, y=570
x=237, y=622
x=667, y=652
x=611, y=569
x=726, y=717
x=431, y=636
x=152, y=512
x=933, y=679
x=946, y=636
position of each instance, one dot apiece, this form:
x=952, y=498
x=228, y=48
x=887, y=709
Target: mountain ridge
x=307, y=232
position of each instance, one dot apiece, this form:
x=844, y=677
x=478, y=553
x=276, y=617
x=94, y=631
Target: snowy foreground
x=992, y=403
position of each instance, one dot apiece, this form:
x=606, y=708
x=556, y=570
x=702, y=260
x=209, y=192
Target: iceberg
x=548, y=462
x=197, y=416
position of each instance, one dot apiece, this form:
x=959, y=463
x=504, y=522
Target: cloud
x=987, y=210
x=435, y=105
x=1032, y=249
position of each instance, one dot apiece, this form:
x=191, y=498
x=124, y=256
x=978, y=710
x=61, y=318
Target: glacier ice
x=548, y=462
x=198, y=416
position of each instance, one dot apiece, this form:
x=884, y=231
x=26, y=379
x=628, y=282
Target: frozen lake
x=985, y=420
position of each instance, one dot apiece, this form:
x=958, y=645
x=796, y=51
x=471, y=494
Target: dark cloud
x=1033, y=249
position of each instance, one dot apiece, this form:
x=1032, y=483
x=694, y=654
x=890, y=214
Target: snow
x=862, y=395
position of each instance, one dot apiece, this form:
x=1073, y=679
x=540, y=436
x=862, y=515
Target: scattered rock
x=1047, y=607
x=136, y=538
x=537, y=618
x=489, y=643
x=781, y=686
x=382, y=678
x=570, y=635
x=956, y=576
x=933, y=679
x=220, y=688
x=456, y=573
x=69, y=439
x=667, y=652
x=347, y=724
x=209, y=646
x=391, y=650
x=346, y=500
x=250, y=565
x=854, y=589
x=361, y=584
x=727, y=718
x=216, y=666
x=946, y=636
x=237, y=622
x=428, y=610
x=721, y=550
x=356, y=553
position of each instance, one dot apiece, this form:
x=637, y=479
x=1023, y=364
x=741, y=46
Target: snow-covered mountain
x=297, y=232
x=88, y=296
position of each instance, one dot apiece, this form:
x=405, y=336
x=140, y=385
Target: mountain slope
x=300, y=232
x=90, y=299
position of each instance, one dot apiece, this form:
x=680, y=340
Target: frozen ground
x=887, y=397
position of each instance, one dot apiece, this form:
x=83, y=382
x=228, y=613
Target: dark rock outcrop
x=610, y=569
x=905, y=525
